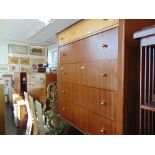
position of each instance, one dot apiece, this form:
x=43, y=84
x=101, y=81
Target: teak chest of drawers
x=98, y=72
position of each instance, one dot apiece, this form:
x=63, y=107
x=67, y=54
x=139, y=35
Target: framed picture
x=13, y=60
x=4, y=68
x=17, y=49
x=36, y=61
x=24, y=69
x=37, y=50
x=24, y=61
x=14, y=68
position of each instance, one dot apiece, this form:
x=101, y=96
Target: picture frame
x=4, y=68
x=36, y=61
x=20, y=49
x=24, y=61
x=14, y=68
x=24, y=68
x=13, y=60
x=37, y=50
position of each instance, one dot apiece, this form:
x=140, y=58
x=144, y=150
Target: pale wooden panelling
x=86, y=28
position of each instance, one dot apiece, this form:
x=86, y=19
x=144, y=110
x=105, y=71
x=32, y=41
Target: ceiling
x=33, y=30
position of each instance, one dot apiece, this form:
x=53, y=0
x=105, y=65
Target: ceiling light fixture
x=46, y=21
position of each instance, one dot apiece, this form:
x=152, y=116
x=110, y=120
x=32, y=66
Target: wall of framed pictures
x=17, y=49
x=19, y=56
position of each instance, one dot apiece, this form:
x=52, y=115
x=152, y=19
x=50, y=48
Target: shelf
x=148, y=107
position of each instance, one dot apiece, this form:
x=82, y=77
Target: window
x=52, y=56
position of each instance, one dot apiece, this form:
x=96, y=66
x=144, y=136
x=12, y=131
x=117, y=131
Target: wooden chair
x=43, y=129
x=29, y=115
x=33, y=113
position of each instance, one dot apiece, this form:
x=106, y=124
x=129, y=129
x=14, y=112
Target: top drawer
x=101, y=46
x=85, y=28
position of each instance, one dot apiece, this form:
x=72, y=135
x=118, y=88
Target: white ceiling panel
x=33, y=30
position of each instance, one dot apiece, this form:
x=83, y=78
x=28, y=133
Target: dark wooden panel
x=131, y=76
x=20, y=83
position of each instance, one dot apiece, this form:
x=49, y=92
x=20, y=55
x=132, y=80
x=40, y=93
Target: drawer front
x=101, y=74
x=77, y=116
x=85, y=28
x=68, y=53
x=102, y=46
x=100, y=101
x=98, y=125
x=63, y=100
x=69, y=73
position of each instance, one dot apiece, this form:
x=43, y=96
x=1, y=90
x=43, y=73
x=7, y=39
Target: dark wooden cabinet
x=99, y=68
x=147, y=79
x=20, y=83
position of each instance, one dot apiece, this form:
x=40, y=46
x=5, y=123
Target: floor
x=10, y=127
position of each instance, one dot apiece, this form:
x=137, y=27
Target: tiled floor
x=10, y=127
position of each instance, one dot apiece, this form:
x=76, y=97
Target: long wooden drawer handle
x=104, y=45
x=104, y=75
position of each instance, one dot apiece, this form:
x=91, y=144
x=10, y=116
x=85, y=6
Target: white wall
x=3, y=53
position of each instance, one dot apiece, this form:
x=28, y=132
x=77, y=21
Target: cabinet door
x=102, y=46
x=101, y=74
x=63, y=100
x=68, y=53
x=98, y=125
